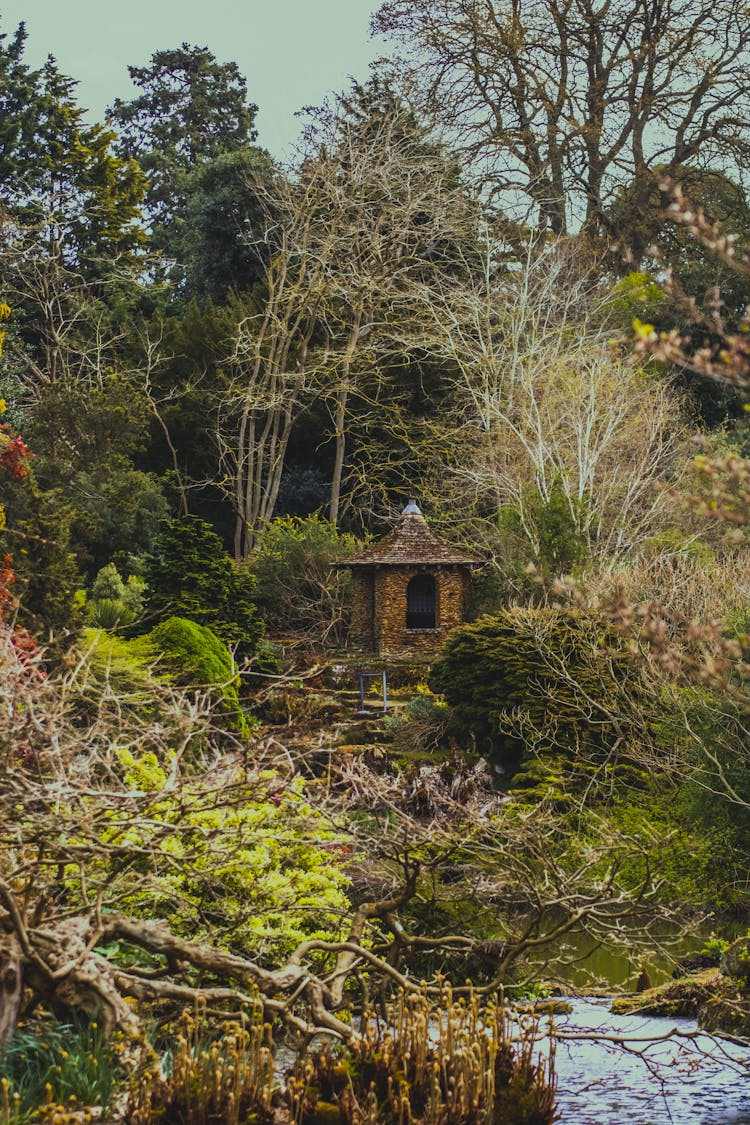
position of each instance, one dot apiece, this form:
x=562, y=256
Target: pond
x=684, y=1081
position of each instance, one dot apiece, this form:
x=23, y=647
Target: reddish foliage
x=7, y=578
x=13, y=453
x=27, y=651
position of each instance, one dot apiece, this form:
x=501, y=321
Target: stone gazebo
x=409, y=590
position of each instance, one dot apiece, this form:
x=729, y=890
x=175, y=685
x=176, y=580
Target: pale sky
x=292, y=52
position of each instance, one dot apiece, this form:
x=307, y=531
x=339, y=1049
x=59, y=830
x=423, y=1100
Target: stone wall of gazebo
x=378, y=604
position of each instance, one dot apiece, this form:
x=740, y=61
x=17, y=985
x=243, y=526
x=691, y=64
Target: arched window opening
x=421, y=603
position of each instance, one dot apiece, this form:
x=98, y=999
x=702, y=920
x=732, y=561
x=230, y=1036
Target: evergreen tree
x=192, y=576
x=190, y=109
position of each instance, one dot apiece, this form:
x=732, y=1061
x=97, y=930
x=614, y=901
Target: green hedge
x=559, y=671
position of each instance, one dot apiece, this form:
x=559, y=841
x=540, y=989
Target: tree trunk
x=339, y=417
x=11, y=993
x=339, y=422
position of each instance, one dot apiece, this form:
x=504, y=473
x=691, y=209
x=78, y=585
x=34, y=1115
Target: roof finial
x=412, y=509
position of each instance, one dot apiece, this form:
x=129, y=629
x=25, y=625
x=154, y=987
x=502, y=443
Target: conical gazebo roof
x=412, y=542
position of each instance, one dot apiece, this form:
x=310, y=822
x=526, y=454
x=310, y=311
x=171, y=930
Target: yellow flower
x=642, y=331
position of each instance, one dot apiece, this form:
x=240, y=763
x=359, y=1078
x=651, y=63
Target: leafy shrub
x=297, y=588
x=548, y=531
x=108, y=584
x=421, y=725
x=714, y=947
x=108, y=613
x=560, y=672
x=192, y=576
x=114, y=602
x=255, y=868
x=712, y=730
x=268, y=659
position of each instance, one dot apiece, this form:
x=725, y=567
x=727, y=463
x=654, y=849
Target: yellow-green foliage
x=672, y=541
x=177, y=652
x=249, y=862
x=130, y=665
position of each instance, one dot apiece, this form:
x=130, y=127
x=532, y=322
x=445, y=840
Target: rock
x=726, y=1015
x=735, y=960
x=710, y=997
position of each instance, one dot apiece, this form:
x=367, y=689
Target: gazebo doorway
x=421, y=602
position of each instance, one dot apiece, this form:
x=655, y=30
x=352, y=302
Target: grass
x=69, y=1064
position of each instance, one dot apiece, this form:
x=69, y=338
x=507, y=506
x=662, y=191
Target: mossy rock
x=677, y=999
x=695, y=963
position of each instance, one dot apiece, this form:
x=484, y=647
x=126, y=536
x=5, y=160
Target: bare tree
x=544, y=408
x=564, y=101
x=271, y=360
x=375, y=204
x=70, y=332
x=395, y=196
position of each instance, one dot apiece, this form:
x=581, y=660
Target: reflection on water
x=584, y=964
x=676, y=1082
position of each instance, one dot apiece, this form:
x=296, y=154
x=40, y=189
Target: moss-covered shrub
x=193, y=656
x=552, y=678
x=177, y=652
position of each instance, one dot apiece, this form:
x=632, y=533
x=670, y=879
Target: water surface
x=676, y=1082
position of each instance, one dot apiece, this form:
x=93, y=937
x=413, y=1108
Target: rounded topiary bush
x=193, y=656
x=562, y=671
